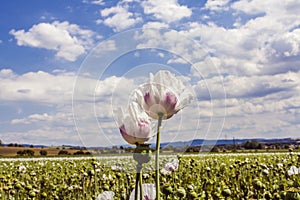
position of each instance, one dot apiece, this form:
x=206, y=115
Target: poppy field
x=210, y=176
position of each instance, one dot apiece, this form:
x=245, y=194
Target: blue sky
x=82, y=59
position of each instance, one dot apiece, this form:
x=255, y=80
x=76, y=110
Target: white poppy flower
x=164, y=93
x=134, y=125
x=265, y=171
x=279, y=165
x=170, y=167
x=22, y=168
x=107, y=195
x=149, y=192
x=293, y=171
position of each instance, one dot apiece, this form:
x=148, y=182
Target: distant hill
x=195, y=142
x=200, y=142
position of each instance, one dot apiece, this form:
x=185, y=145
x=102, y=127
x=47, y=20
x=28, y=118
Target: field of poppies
x=211, y=176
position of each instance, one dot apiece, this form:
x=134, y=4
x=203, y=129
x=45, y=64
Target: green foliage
x=26, y=152
x=43, y=152
x=217, y=176
x=80, y=152
x=63, y=152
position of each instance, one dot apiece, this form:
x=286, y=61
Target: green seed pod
x=12, y=192
x=276, y=196
x=181, y=192
x=226, y=192
x=44, y=194
x=192, y=194
x=5, y=188
x=28, y=187
x=268, y=195
x=18, y=186
x=167, y=189
x=179, y=157
x=146, y=176
x=190, y=187
x=105, y=187
x=142, y=153
x=123, y=195
x=257, y=184
x=118, y=175
x=32, y=194
x=94, y=163
x=91, y=172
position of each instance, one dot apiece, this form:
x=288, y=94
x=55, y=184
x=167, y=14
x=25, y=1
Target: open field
x=12, y=151
x=198, y=177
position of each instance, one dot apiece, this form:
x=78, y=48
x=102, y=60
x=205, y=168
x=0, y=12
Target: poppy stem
x=137, y=179
x=157, y=183
x=141, y=185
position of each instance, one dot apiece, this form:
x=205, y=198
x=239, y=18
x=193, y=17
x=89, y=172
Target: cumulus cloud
x=216, y=5
x=57, y=88
x=286, y=45
x=259, y=45
x=108, y=45
x=32, y=119
x=98, y=2
x=38, y=86
x=94, y=103
x=119, y=17
x=156, y=25
x=248, y=86
x=46, y=136
x=167, y=11
x=175, y=42
x=62, y=116
x=68, y=40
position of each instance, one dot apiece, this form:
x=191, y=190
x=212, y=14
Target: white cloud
x=43, y=87
x=249, y=86
x=250, y=101
x=119, y=18
x=108, y=45
x=155, y=25
x=32, y=119
x=98, y=2
x=277, y=9
x=257, y=46
x=254, y=6
x=167, y=11
x=46, y=136
x=63, y=117
x=94, y=103
x=95, y=2
x=216, y=5
x=36, y=86
x=286, y=45
x=171, y=41
x=68, y=40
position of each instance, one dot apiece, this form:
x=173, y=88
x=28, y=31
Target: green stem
x=157, y=184
x=137, y=178
x=141, y=185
